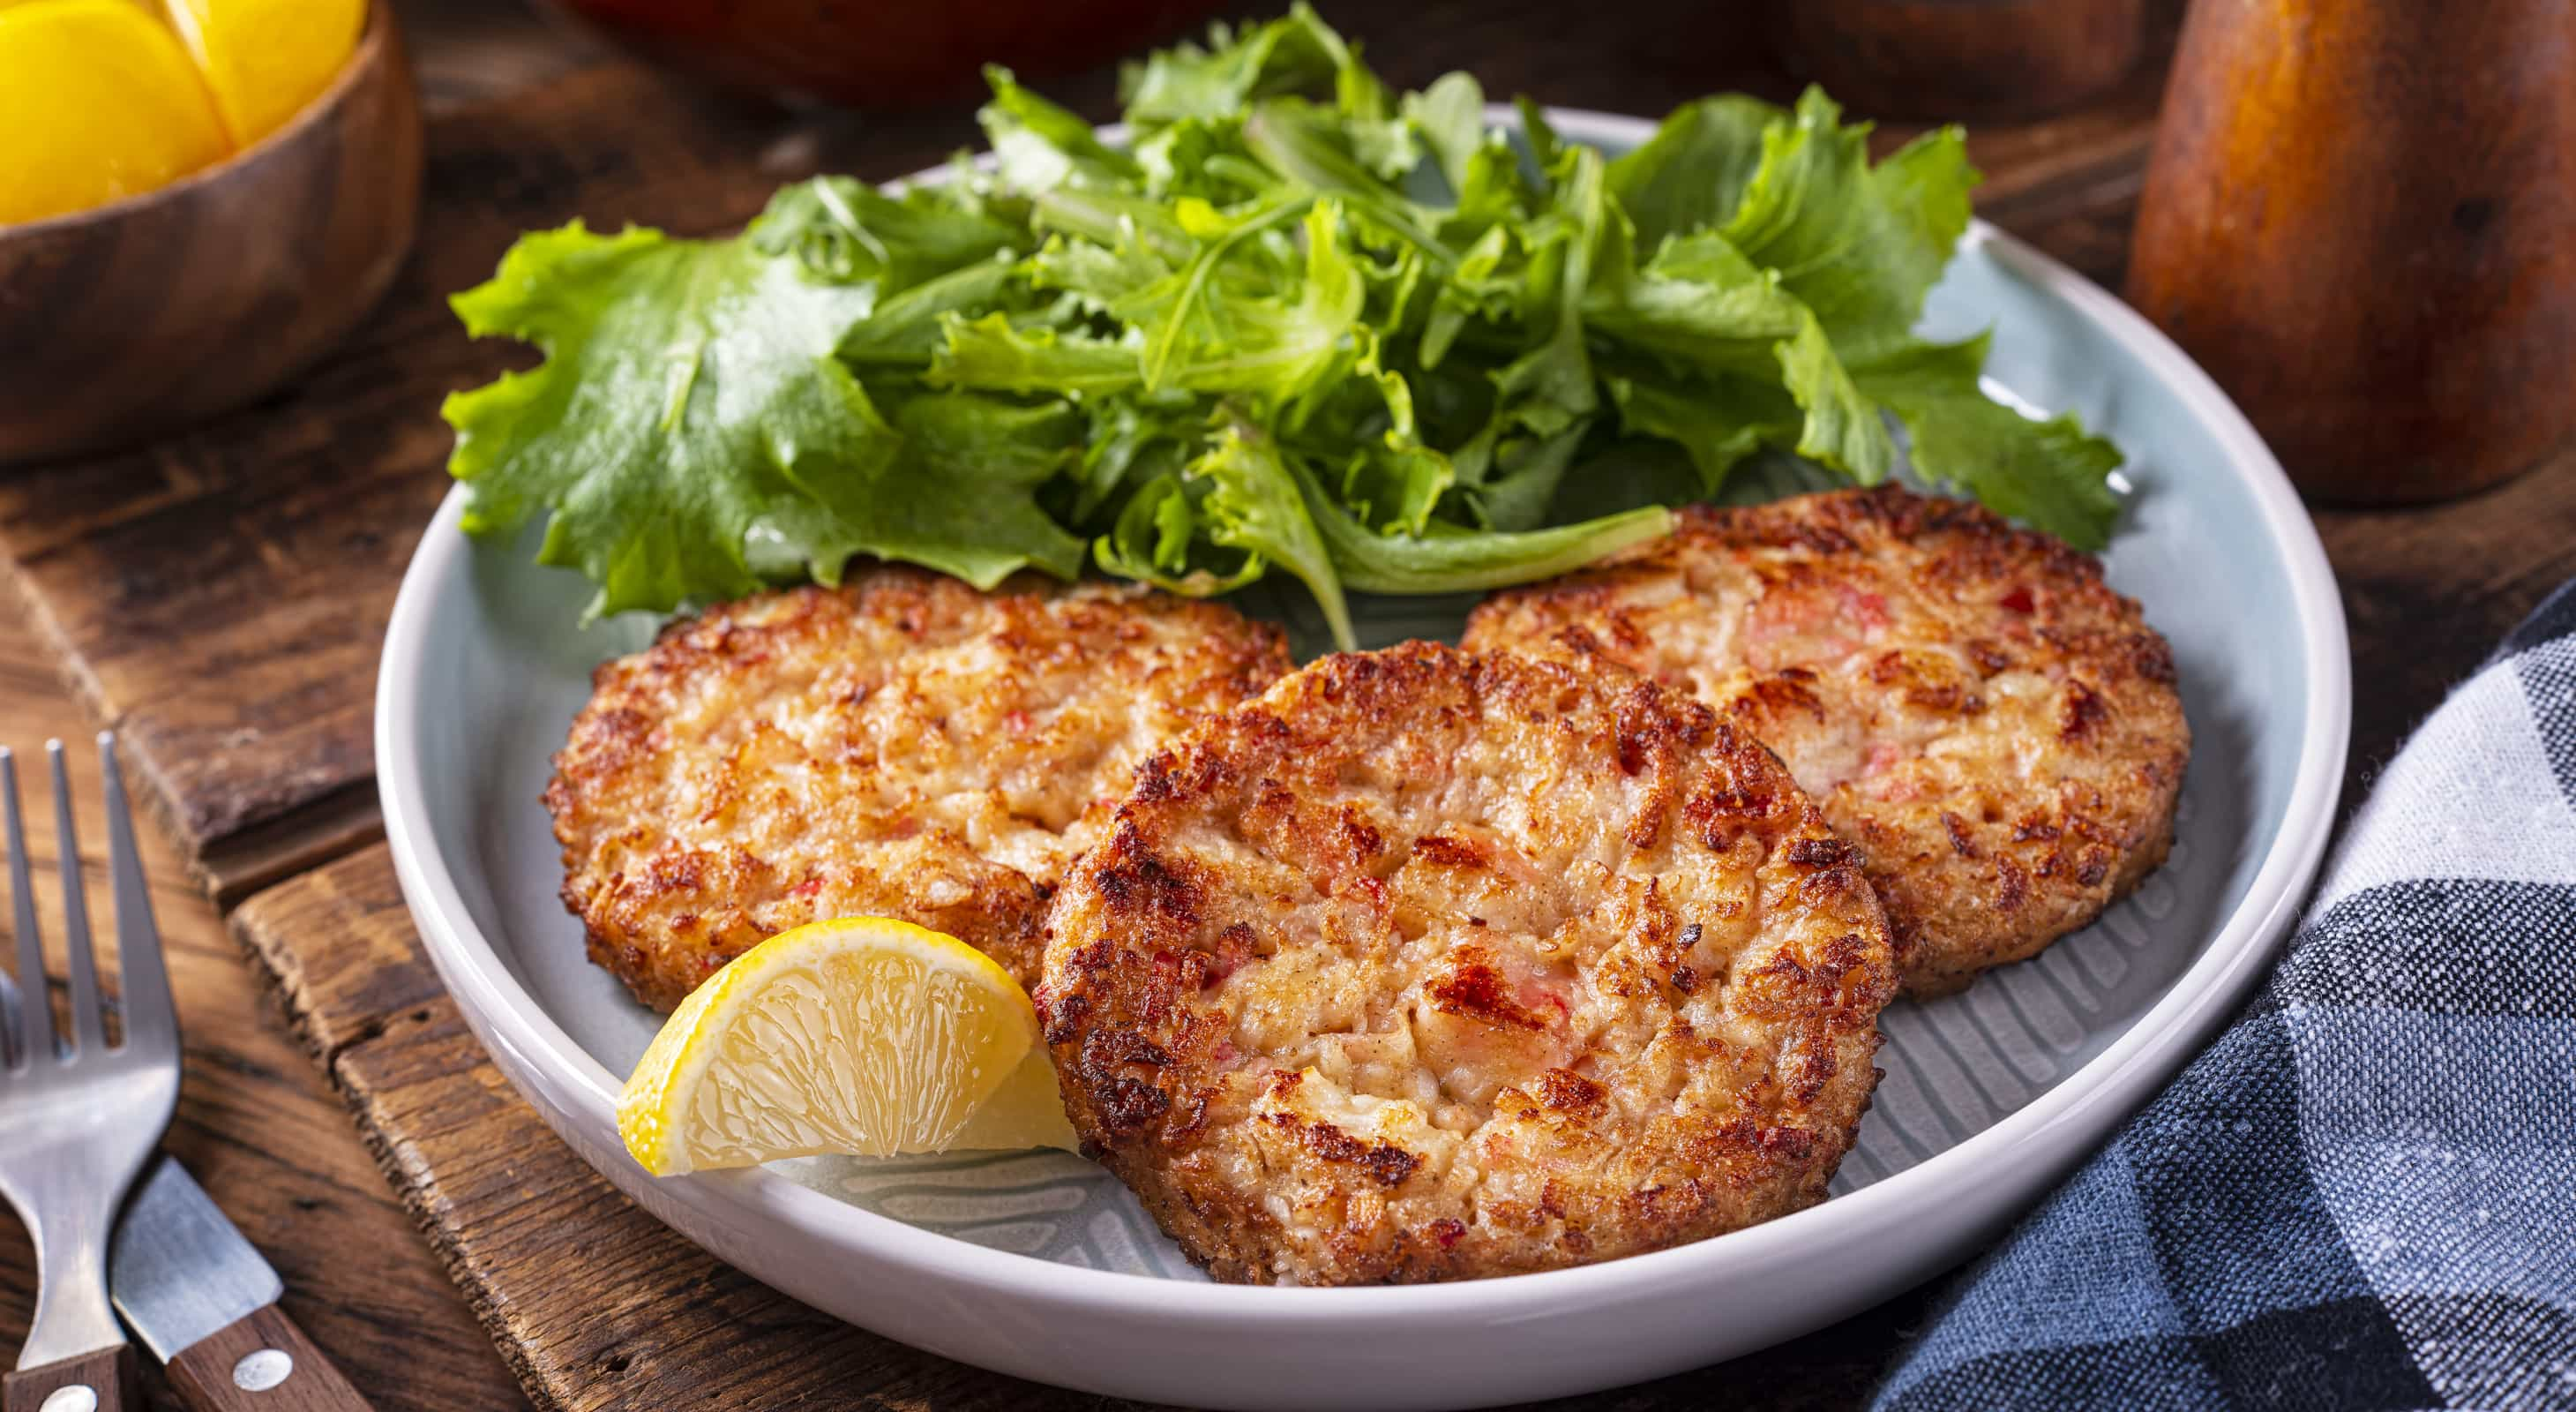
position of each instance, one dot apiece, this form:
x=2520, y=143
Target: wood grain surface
x=257, y=1124
x=222, y=595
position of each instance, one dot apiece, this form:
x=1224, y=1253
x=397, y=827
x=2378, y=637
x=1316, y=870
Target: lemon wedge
x=863, y=1036
x=265, y=59
x=97, y=103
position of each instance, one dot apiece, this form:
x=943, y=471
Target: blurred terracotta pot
x=2361, y=218
x=878, y=53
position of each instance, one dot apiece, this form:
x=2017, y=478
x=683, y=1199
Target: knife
x=206, y=1305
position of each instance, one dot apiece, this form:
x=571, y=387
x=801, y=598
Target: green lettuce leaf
x=2049, y=474
x=1459, y=561
x=908, y=329
x=1861, y=245
x=1295, y=322
x=1041, y=146
x=1253, y=504
x=997, y=354
x=1450, y=116
x=1270, y=337
x=689, y=397
x=1691, y=175
x=849, y=232
x=1161, y=538
x=1295, y=54
x=1129, y=442
x=1700, y=302
x=1717, y=422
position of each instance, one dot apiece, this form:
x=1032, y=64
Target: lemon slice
x=863, y=1036
x=97, y=103
x=266, y=59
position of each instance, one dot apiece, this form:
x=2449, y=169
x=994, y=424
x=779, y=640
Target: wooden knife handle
x=262, y=1363
x=108, y=1374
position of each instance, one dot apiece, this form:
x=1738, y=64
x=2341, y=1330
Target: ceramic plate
x=1042, y=1266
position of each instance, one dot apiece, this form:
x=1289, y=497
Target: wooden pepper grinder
x=2360, y=216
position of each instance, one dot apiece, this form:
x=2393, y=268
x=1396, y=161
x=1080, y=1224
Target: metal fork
x=77, y=1118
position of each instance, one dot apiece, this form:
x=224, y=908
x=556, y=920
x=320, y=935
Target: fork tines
x=26, y=1010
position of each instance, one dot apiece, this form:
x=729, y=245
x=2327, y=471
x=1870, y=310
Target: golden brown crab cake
x=1993, y=726
x=1427, y=965
x=904, y=746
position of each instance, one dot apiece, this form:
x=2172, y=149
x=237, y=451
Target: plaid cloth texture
x=2364, y=1194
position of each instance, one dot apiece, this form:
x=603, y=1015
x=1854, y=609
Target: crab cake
x=1427, y=965
x=904, y=745
x=1992, y=726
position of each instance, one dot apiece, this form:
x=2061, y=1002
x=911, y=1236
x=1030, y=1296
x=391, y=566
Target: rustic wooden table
x=221, y=597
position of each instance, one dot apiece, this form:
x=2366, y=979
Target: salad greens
x=1296, y=321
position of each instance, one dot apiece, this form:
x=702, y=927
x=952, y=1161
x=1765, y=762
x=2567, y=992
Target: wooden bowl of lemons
x=197, y=198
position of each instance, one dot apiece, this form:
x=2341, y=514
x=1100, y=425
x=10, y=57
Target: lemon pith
x=862, y=1036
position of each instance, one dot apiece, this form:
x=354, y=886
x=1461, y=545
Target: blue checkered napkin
x=2364, y=1194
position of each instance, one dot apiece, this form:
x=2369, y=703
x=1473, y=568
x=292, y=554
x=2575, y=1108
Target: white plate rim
x=583, y=1092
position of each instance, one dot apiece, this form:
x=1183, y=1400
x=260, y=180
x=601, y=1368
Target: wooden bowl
x=135, y=319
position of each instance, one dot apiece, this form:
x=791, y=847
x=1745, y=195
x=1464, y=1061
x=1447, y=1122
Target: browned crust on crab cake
x=1992, y=725
x=1433, y=966
x=904, y=746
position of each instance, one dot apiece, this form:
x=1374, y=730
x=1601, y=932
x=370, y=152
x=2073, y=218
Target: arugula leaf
x=1156, y=541
x=907, y=329
x=1130, y=442
x=1463, y=560
x=1253, y=504
x=1305, y=147
x=1272, y=344
x=1041, y=146
x=1450, y=115
x=2050, y=474
x=1296, y=54
x=1716, y=422
x=1701, y=302
x=1692, y=173
x=689, y=395
x=848, y=232
x=1860, y=245
x=1544, y=145
x=996, y=354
